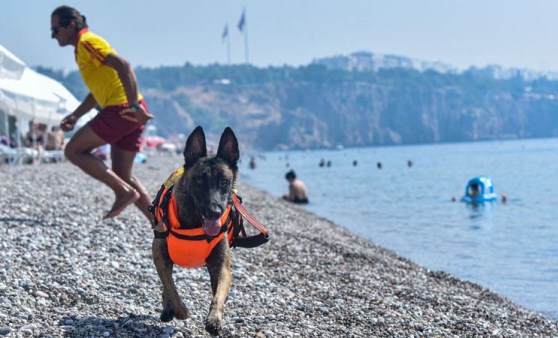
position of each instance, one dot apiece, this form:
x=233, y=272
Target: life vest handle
x=251, y=241
x=257, y=224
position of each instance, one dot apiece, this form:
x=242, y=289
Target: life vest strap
x=160, y=235
x=224, y=228
x=250, y=241
x=153, y=207
x=251, y=219
x=246, y=241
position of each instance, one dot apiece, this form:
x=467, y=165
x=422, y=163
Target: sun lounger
x=17, y=155
x=53, y=156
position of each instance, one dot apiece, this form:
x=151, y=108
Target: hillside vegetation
x=315, y=107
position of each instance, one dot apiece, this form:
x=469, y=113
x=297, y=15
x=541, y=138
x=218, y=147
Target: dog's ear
x=195, y=147
x=228, y=147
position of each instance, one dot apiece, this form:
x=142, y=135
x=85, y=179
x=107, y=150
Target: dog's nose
x=214, y=211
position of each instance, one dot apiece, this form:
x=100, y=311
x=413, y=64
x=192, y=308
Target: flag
x=225, y=32
x=242, y=22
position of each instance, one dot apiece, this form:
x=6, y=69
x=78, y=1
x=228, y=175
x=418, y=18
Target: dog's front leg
x=219, y=266
x=172, y=304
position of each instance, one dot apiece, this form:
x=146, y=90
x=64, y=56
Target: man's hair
x=290, y=175
x=67, y=14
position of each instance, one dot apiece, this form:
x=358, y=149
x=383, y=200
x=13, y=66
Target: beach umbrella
x=153, y=142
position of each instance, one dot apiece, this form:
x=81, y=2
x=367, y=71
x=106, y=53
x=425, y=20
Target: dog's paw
x=182, y=313
x=214, y=324
x=212, y=329
x=167, y=315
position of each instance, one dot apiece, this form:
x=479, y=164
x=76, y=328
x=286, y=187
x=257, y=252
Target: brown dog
x=201, y=195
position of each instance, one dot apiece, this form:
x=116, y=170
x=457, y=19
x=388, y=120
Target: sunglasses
x=55, y=30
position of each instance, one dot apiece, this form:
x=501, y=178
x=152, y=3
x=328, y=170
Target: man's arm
x=86, y=105
x=126, y=75
x=129, y=82
x=68, y=123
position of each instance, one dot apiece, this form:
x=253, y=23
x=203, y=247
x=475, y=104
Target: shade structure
x=31, y=96
x=36, y=97
x=11, y=67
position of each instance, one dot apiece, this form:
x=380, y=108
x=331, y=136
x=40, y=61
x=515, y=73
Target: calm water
x=510, y=248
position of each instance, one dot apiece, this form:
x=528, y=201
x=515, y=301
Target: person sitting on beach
x=35, y=140
x=55, y=139
x=123, y=114
x=297, y=189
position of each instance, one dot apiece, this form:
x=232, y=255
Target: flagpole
x=226, y=36
x=243, y=28
x=246, y=43
x=228, y=45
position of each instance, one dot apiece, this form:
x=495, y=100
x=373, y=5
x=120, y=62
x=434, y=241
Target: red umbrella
x=153, y=142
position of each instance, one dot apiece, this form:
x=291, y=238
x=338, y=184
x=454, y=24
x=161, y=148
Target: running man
x=123, y=112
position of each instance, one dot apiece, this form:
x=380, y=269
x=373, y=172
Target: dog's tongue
x=212, y=227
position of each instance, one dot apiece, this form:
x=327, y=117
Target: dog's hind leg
x=172, y=304
x=219, y=266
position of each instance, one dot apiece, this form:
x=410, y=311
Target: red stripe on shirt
x=96, y=54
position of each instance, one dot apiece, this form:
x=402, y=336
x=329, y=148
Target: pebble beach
x=64, y=272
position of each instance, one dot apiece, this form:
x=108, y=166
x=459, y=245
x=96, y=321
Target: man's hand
x=68, y=123
x=139, y=115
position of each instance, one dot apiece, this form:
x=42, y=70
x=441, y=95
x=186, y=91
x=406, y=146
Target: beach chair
x=50, y=156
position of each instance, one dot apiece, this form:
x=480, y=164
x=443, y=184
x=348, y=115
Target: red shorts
x=109, y=125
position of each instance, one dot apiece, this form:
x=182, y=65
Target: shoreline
x=65, y=272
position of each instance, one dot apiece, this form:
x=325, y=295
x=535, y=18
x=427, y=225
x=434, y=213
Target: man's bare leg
x=122, y=162
x=78, y=151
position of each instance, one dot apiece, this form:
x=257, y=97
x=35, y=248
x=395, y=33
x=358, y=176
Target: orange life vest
x=189, y=247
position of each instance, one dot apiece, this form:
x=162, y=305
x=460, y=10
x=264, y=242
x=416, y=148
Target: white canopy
x=10, y=66
x=31, y=96
x=36, y=97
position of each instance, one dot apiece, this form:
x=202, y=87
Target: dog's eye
x=225, y=183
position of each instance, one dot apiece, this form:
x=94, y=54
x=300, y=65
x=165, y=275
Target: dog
x=201, y=195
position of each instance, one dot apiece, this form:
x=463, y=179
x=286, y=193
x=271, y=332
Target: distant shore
x=65, y=272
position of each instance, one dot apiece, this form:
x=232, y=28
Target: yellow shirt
x=102, y=81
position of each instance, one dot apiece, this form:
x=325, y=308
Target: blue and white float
x=479, y=189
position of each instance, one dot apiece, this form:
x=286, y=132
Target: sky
x=462, y=33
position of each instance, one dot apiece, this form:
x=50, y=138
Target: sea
x=401, y=198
